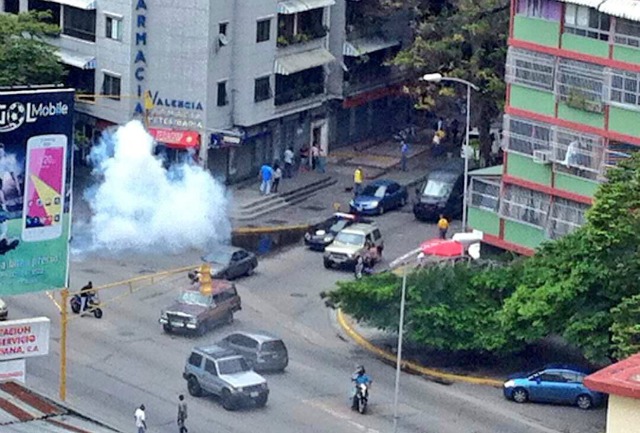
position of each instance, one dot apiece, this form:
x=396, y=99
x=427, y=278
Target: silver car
x=264, y=351
x=220, y=371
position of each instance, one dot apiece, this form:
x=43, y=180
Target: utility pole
x=63, y=344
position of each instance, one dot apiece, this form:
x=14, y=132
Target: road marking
x=55, y=302
x=340, y=415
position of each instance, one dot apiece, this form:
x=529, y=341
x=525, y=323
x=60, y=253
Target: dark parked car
x=263, y=351
x=322, y=234
x=196, y=311
x=230, y=262
x=378, y=197
x=552, y=385
x=442, y=193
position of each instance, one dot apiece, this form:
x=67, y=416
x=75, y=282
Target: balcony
x=286, y=94
x=366, y=69
x=303, y=28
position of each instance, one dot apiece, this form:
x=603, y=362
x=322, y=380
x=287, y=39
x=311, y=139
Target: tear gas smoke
x=138, y=204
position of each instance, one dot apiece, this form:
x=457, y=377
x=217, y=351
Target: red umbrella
x=442, y=248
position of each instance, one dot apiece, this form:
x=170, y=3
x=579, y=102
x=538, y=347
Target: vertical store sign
x=140, y=62
x=35, y=189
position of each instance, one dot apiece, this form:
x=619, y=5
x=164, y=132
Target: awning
x=359, y=47
x=80, y=4
x=294, y=6
x=77, y=60
x=176, y=138
x=589, y=3
x=495, y=170
x=293, y=63
x=442, y=248
x=629, y=9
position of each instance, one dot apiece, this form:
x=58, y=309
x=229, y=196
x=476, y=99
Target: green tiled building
x=572, y=111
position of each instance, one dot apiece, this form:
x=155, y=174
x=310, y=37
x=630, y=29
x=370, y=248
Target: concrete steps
x=273, y=202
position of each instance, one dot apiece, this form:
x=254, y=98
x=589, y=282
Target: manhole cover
x=298, y=295
x=314, y=208
x=276, y=222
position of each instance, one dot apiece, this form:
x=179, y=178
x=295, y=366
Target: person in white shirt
x=141, y=422
x=288, y=163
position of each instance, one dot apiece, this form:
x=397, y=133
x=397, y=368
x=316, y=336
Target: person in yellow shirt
x=357, y=181
x=443, y=226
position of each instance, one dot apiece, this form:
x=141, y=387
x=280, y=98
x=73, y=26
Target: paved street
x=125, y=359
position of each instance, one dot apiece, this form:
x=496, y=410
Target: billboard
x=36, y=150
x=24, y=338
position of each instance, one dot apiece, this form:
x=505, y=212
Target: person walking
x=288, y=163
x=443, y=226
x=141, y=419
x=266, y=175
x=358, y=176
x=277, y=175
x=404, y=152
x=182, y=414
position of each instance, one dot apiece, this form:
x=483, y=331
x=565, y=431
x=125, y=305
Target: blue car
x=552, y=385
x=378, y=197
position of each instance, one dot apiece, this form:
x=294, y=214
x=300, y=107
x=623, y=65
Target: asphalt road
x=125, y=359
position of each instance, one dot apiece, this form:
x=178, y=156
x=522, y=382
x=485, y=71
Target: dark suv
x=197, y=311
x=264, y=351
x=220, y=371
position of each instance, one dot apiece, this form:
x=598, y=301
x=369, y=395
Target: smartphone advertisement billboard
x=36, y=149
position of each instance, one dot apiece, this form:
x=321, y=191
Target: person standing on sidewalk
x=277, y=175
x=315, y=153
x=266, y=176
x=358, y=176
x=182, y=414
x=443, y=226
x=288, y=163
x=141, y=419
x=322, y=160
x=404, y=152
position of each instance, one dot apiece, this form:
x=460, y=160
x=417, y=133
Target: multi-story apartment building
x=236, y=81
x=572, y=111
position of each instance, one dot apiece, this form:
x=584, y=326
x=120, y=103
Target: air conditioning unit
x=542, y=156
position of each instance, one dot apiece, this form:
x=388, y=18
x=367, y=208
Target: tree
x=464, y=39
x=25, y=56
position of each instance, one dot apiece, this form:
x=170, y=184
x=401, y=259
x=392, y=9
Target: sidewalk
x=379, y=161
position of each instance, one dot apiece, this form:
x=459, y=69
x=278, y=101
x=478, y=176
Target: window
x=581, y=85
x=577, y=150
x=530, y=69
x=617, y=152
x=222, y=28
x=485, y=194
x=12, y=6
x=586, y=21
x=45, y=6
x=262, y=89
x=113, y=28
x=525, y=136
x=222, y=94
x=195, y=359
x=210, y=367
x=79, y=23
x=566, y=216
x=546, y=9
x=525, y=205
x=111, y=86
x=264, y=30
x=625, y=87
x=627, y=32
x=551, y=377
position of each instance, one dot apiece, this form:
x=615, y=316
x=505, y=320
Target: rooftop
x=621, y=378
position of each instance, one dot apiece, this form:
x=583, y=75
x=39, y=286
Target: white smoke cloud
x=140, y=205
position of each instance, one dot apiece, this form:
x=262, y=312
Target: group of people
x=312, y=158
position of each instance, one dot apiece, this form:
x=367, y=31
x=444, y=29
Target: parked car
x=322, y=234
x=197, y=312
x=230, y=262
x=351, y=243
x=222, y=372
x=4, y=310
x=552, y=385
x=263, y=351
x=442, y=193
x=378, y=197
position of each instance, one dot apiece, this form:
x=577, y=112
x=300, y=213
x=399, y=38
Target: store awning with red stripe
x=176, y=138
x=442, y=248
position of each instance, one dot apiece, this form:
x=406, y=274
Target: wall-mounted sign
x=176, y=138
x=24, y=338
x=219, y=141
x=13, y=370
x=140, y=62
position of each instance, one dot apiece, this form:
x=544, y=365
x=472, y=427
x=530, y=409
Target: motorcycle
x=93, y=303
x=361, y=398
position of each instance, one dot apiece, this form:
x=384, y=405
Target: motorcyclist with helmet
x=359, y=377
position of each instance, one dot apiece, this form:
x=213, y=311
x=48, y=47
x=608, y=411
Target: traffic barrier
x=264, y=240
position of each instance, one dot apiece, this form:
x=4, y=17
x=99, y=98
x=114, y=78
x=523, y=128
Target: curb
x=268, y=229
x=408, y=365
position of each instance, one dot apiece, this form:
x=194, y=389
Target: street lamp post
x=436, y=78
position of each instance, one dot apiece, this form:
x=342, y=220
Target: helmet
x=360, y=369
